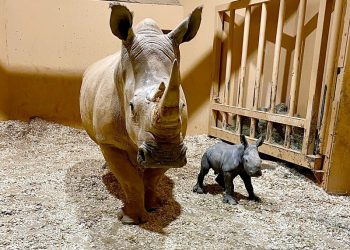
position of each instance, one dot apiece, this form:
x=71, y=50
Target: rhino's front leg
x=151, y=179
x=130, y=180
x=248, y=185
x=228, y=194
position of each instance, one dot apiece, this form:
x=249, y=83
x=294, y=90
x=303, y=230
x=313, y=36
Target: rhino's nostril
x=142, y=155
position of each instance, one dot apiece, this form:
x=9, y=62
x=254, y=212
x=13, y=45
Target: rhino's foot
x=230, y=200
x=131, y=219
x=197, y=189
x=152, y=203
x=254, y=198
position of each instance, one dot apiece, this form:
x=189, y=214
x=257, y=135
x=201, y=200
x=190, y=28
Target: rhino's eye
x=132, y=108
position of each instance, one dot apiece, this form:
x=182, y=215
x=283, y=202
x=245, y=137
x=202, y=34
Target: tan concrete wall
x=4, y=104
x=50, y=44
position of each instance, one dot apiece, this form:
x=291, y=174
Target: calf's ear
x=188, y=28
x=121, y=21
x=260, y=141
x=244, y=141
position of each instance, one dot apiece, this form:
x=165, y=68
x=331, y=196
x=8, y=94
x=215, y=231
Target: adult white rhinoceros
x=133, y=107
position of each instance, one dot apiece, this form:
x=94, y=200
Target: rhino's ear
x=244, y=141
x=259, y=142
x=121, y=21
x=188, y=28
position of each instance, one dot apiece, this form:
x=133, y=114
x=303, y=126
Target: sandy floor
x=55, y=193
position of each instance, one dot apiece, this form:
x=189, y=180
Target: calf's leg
x=248, y=185
x=205, y=166
x=229, y=189
x=131, y=182
x=220, y=179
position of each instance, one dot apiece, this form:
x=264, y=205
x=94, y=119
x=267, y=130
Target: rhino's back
x=100, y=104
x=223, y=156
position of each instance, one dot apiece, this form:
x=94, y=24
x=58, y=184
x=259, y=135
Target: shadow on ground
x=97, y=195
x=160, y=218
x=216, y=189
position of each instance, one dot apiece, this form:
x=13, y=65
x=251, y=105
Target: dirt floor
x=56, y=194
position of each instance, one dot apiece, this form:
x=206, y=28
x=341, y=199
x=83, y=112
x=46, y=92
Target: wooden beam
x=331, y=71
x=217, y=44
x=239, y=4
x=229, y=77
x=259, y=65
x=276, y=61
x=243, y=64
x=316, y=77
x=312, y=162
x=278, y=118
x=296, y=69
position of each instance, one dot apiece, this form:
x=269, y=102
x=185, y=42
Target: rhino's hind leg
x=151, y=179
x=220, y=179
x=205, y=166
x=133, y=211
x=228, y=194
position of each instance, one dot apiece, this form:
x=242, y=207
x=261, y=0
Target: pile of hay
x=55, y=193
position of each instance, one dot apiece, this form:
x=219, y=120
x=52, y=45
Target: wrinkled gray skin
x=132, y=105
x=228, y=161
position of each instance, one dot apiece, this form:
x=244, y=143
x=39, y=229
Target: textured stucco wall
x=47, y=46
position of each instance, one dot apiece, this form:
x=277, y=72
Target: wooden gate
x=251, y=96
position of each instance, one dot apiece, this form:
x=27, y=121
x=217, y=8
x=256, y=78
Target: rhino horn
x=169, y=103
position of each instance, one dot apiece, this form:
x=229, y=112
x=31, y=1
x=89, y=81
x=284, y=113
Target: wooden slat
x=229, y=77
x=278, y=118
x=243, y=64
x=259, y=65
x=312, y=162
x=331, y=70
x=239, y=4
x=345, y=37
x=333, y=123
x=296, y=69
x=315, y=80
x=231, y=46
x=217, y=44
x=276, y=61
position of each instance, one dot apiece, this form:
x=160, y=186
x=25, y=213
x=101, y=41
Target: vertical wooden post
x=259, y=65
x=276, y=61
x=296, y=69
x=316, y=76
x=243, y=64
x=330, y=71
x=217, y=44
x=229, y=77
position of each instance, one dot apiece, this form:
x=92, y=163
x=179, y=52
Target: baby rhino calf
x=228, y=161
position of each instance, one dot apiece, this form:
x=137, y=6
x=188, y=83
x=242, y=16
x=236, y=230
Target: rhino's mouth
x=257, y=173
x=162, y=155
